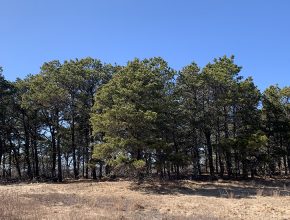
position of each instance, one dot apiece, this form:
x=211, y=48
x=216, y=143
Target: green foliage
x=139, y=164
x=129, y=108
x=143, y=117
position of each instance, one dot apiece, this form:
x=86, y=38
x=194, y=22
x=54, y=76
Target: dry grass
x=148, y=200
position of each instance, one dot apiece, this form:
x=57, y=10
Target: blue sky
x=257, y=32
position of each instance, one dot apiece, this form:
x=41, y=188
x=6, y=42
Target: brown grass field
x=148, y=200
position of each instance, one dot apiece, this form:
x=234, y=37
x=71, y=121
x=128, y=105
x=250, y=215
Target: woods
x=86, y=119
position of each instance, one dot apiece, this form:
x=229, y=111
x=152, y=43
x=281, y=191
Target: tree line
x=85, y=119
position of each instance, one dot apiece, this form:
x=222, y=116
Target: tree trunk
x=176, y=152
x=101, y=170
x=93, y=167
x=26, y=149
x=245, y=169
x=3, y=166
x=228, y=156
x=76, y=173
x=53, y=143
x=36, y=161
x=10, y=162
x=87, y=158
x=285, y=165
x=34, y=144
x=1, y=149
x=16, y=158
x=59, y=165
x=94, y=172
x=209, y=148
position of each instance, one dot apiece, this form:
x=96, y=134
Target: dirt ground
x=148, y=200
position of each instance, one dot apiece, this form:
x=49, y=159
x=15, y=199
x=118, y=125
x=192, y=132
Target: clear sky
x=257, y=32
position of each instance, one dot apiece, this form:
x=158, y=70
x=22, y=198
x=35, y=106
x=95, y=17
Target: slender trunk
x=83, y=162
x=279, y=166
x=252, y=173
x=236, y=159
x=94, y=172
x=26, y=149
x=101, y=170
x=59, y=165
x=228, y=150
x=67, y=165
x=85, y=153
x=196, y=156
x=209, y=148
x=10, y=162
x=216, y=159
x=288, y=156
x=285, y=165
x=206, y=160
x=176, y=152
x=16, y=157
x=87, y=157
x=280, y=159
x=1, y=149
x=159, y=164
x=245, y=169
x=76, y=174
x=107, y=169
x=93, y=167
x=79, y=155
x=168, y=172
x=147, y=161
x=53, y=143
x=3, y=166
x=219, y=150
x=237, y=164
x=196, y=164
x=36, y=161
x=164, y=169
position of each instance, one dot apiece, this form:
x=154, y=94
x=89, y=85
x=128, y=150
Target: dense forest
x=87, y=119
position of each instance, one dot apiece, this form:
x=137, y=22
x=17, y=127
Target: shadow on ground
x=219, y=189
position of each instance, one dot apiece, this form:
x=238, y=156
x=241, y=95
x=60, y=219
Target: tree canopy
x=85, y=118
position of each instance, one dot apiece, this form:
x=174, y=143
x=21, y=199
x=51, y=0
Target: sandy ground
x=148, y=200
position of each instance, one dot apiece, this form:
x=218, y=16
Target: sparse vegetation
x=147, y=200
